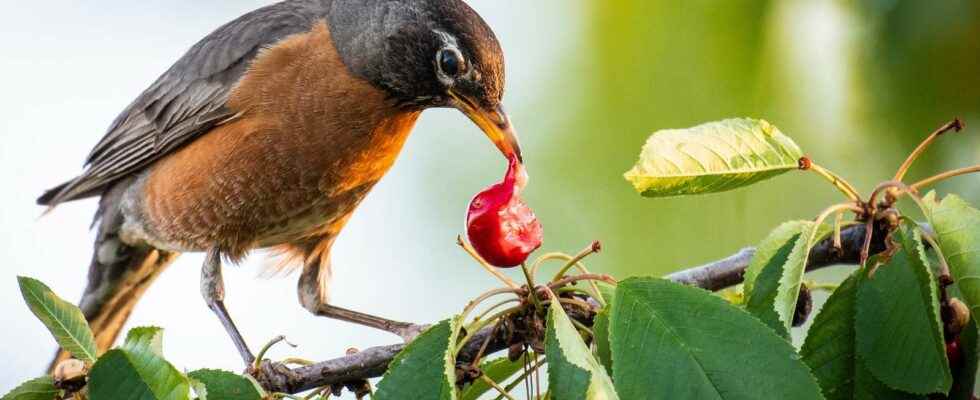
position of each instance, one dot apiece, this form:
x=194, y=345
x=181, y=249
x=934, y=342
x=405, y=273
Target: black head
x=427, y=53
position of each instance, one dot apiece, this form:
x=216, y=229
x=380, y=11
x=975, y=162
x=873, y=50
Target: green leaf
x=223, y=385
x=601, y=330
x=671, y=341
x=957, y=228
x=712, y=157
x=425, y=369
x=829, y=346
x=899, y=335
x=966, y=374
x=830, y=352
x=774, y=249
x=573, y=373
x=498, y=370
x=145, y=338
x=777, y=271
x=63, y=319
x=867, y=387
x=137, y=371
x=35, y=389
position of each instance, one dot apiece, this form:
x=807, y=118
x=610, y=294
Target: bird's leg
x=313, y=295
x=213, y=290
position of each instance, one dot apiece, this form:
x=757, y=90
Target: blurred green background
x=856, y=84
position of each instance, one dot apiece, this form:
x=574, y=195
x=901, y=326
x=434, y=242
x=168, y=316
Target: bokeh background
x=856, y=83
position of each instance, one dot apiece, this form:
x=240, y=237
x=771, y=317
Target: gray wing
x=186, y=101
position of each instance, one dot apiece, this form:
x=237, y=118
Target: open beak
x=495, y=124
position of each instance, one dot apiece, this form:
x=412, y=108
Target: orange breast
x=310, y=142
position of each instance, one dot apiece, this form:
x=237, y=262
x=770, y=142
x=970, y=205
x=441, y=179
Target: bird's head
x=428, y=53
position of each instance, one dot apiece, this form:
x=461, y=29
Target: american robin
x=267, y=134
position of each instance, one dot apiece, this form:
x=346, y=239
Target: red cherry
x=953, y=353
x=499, y=225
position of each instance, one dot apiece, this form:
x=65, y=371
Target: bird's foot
x=276, y=377
x=273, y=376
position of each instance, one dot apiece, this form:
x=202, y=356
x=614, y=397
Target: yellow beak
x=495, y=124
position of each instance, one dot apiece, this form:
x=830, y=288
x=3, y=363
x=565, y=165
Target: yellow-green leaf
x=712, y=157
x=63, y=319
x=35, y=389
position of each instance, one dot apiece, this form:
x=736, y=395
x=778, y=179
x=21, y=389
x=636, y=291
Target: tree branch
x=373, y=362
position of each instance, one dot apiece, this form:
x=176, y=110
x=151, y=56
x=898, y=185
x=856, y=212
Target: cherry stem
x=840, y=183
x=837, y=208
x=486, y=295
x=943, y=176
x=537, y=364
x=592, y=248
x=838, y=221
x=572, y=262
x=578, y=303
x=490, y=309
x=483, y=263
x=264, y=349
x=904, y=168
x=584, y=277
x=503, y=391
x=530, y=284
x=472, y=328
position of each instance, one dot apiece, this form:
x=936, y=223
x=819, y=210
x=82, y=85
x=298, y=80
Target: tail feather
x=118, y=276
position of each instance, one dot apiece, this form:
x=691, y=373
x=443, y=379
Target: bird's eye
x=451, y=63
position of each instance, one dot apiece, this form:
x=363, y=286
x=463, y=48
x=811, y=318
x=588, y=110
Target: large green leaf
x=573, y=373
x=712, y=157
x=777, y=273
x=671, y=341
x=830, y=352
x=499, y=370
x=425, y=369
x=899, y=334
x=957, y=228
x=35, y=389
x=137, y=371
x=600, y=328
x=63, y=319
x=223, y=385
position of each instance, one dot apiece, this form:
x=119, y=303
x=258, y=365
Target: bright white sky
x=67, y=68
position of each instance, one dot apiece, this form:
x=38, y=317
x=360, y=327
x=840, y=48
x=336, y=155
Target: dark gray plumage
x=185, y=101
x=379, y=40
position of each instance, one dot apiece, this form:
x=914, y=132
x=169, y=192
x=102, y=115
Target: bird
x=267, y=134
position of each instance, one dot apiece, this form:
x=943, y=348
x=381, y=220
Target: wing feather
x=186, y=101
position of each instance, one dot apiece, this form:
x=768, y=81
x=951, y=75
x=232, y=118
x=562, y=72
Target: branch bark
x=727, y=272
